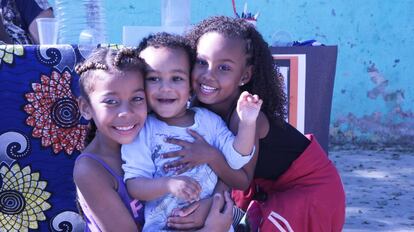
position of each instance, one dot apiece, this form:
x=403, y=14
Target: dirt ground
x=379, y=188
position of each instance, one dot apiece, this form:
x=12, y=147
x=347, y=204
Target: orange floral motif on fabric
x=54, y=114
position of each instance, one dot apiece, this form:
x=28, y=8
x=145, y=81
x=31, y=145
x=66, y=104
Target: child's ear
x=247, y=75
x=84, y=108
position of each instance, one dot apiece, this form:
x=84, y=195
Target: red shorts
x=309, y=196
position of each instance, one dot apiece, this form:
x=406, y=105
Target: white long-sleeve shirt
x=142, y=159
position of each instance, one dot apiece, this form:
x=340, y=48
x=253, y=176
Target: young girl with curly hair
x=290, y=184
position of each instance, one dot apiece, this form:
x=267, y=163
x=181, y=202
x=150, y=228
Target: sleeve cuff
x=240, y=160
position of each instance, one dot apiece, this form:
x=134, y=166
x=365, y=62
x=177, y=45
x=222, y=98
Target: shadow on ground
x=379, y=187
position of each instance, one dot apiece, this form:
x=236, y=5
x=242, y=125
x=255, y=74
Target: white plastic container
x=48, y=30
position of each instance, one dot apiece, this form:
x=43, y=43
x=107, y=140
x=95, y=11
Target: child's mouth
x=124, y=128
x=207, y=89
x=166, y=101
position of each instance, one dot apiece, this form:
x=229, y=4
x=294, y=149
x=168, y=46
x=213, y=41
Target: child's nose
x=209, y=73
x=124, y=110
x=165, y=85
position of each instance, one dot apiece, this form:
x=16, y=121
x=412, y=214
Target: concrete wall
x=373, y=100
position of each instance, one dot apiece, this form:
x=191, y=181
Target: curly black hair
x=111, y=61
x=164, y=39
x=266, y=81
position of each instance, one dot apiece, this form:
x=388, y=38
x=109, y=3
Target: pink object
x=254, y=215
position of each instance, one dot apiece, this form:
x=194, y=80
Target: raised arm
x=248, y=108
x=240, y=179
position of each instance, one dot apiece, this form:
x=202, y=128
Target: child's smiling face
x=220, y=69
x=117, y=104
x=167, y=83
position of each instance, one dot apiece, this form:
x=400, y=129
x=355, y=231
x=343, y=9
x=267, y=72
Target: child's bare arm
x=248, y=108
x=97, y=188
x=200, y=152
x=146, y=189
x=213, y=217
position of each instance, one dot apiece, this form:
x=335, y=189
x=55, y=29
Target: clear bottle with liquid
x=80, y=21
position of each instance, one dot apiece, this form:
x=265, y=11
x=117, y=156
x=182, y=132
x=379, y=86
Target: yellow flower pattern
x=8, y=51
x=22, y=199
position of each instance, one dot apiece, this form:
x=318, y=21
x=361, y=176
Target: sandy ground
x=379, y=187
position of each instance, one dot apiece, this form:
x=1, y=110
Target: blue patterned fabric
x=41, y=134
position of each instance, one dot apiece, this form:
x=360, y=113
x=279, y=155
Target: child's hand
x=184, y=212
x=192, y=153
x=248, y=107
x=220, y=217
x=190, y=220
x=185, y=188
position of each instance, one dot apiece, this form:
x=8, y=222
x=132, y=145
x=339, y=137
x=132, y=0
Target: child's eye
x=110, y=101
x=224, y=68
x=201, y=62
x=138, y=99
x=177, y=78
x=152, y=78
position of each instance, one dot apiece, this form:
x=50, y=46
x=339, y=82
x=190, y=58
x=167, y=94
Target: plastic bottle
x=80, y=21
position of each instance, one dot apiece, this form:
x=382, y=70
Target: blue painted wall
x=373, y=100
